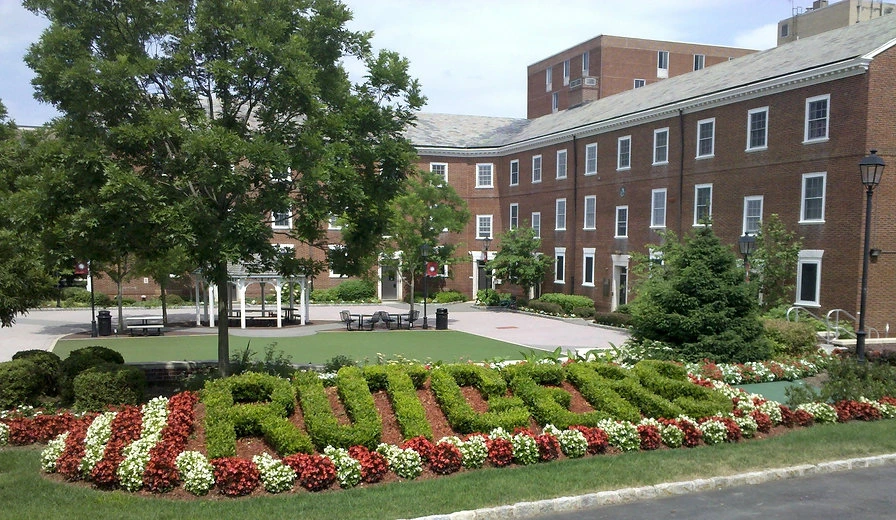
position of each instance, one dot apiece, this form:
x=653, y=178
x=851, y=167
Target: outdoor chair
x=410, y=318
x=349, y=320
x=386, y=319
x=368, y=322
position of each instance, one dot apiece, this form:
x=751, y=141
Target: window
x=785, y=30
x=514, y=216
x=561, y=164
x=559, y=265
x=639, y=83
x=706, y=132
x=757, y=129
x=588, y=266
x=548, y=80
x=699, y=61
x=624, y=153
x=752, y=214
x=484, y=175
x=560, y=215
x=281, y=219
x=334, y=222
x=334, y=252
x=591, y=159
x=590, y=211
x=702, y=203
x=585, y=59
x=808, y=277
x=812, y=206
x=661, y=146
x=566, y=72
x=555, y=102
x=662, y=64
x=536, y=168
x=658, y=208
x=440, y=169
x=483, y=226
x=514, y=173
x=817, y=118
x=621, y=221
x=536, y=223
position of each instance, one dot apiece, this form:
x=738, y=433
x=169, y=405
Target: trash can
x=104, y=323
x=442, y=319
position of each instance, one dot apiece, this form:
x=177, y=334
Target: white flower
x=51, y=453
x=98, y=434
x=275, y=475
x=196, y=472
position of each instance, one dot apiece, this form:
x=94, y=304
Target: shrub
x=21, y=383
x=449, y=296
x=613, y=319
x=173, y=300
x=355, y=290
x=78, y=361
x=235, y=477
x=109, y=384
x=106, y=354
x=546, y=307
x=567, y=302
x=336, y=362
x=78, y=296
x=791, y=338
x=323, y=295
x=488, y=297
x=275, y=362
x=48, y=364
x=583, y=312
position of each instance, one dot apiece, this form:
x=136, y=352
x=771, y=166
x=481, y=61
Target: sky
x=470, y=55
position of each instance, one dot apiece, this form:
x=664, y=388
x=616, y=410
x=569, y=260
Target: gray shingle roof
x=838, y=46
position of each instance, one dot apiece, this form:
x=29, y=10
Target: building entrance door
x=389, y=282
x=485, y=276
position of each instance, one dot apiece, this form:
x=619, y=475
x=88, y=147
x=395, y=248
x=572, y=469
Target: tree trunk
x=164, y=297
x=223, y=326
x=120, y=310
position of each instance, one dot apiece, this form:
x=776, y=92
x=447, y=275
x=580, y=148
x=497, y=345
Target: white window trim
x=536, y=216
x=566, y=66
x=749, y=129
x=288, y=224
x=712, y=151
x=655, y=134
x=491, y=227
x=653, y=193
x=824, y=196
x=619, y=141
x=747, y=199
x=560, y=252
x=331, y=272
x=616, y=226
x=564, y=163
x=555, y=102
x=537, y=158
x=585, y=226
x=635, y=83
x=697, y=189
x=557, y=223
x=514, y=164
x=586, y=56
x=548, y=79
x=588, y=252
x=434, y=164
x=702, y=59
x=827, y=121
x=808, y=256
x=491, y=183
x=588, y=147
x=332, y=223
x=514, y=209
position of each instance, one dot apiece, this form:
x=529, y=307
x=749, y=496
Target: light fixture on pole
x=872, y=169
x=425, y=249
x=93, y=331
x=747, y=245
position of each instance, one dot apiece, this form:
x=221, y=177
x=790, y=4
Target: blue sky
x=471, y=56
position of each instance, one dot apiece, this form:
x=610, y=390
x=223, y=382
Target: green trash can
x=441, y=319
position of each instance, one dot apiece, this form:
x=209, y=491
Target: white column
x=279, y=286
x=303, y=300
x=212, y=304
x=241, y=292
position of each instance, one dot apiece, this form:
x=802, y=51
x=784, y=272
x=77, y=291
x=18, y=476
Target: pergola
x=241, y=278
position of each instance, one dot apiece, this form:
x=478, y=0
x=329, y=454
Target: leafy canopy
x=518, y=260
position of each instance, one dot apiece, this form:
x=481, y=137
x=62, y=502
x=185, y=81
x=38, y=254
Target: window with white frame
x=483, y=226
x=662, y=64
x=591, y=159
x=440, y=169
x=817, y=118
x=561, y=164
x=536, y=223
x=661, y=146
x=624, y=153
x=281, y=219
x=548, y=79
x=334, y=222
x=590, y=211
x=484, y=172
x=555, y=102
x=585, y=58
x=560, y=214
x=536, y=169
x=639, y=83
x=588, y=266
x=752, y=214
x=808, y=277
x=757, y=129
x=514, y=216
x=706, y=133
x=565, y=72
x=702, y=203
x=559, y=265
x=699, y=61
x=785, y=30
x=621, y=222
x=658, y=208
x=514, y=172
x=813, y=193
x=334, y=251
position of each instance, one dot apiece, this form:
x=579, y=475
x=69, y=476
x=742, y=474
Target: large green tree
x=697, y=303
x=518, y=260
x=775, y=261
x=231, y=110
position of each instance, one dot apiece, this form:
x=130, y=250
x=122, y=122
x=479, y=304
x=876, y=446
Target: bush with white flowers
x=196, y=472
x=621, y=434
x=276, y=476
x=714, y=431
x=525, y=449
x=404, y=463
x=348, y=469
x=51, y=453
x=4, y=434
x=136, y=454
x=98, y=434
x=821, y=412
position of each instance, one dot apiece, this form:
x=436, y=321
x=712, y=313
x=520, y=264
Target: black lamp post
x=485, y=243
x=93, y=331
x=747, y=245
x=424, y=252
x=872, y=169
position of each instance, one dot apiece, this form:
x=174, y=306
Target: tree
x=518, y=260
x=425, y=209
x=169, y=262
x=697, y=302
x=775, y=259
x=231, y=111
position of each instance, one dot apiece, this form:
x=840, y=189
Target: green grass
x=424, y=346
x=26, y=494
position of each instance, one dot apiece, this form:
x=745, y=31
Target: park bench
x=145, y=325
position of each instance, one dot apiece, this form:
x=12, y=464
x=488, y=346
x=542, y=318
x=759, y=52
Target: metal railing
x=832, y=320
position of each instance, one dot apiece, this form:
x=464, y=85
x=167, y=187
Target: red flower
x=597, y=438
x=373, y=465
x=446, y=458
x=500, y=451
x=421, y=445
x=315, y=472
x=650, y=437
x=235, y=477
x=763, y=421
x=125, y=430
x=548, y=447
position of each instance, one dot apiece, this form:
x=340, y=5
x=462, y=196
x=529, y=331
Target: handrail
x=837, y=313
x=833, y=330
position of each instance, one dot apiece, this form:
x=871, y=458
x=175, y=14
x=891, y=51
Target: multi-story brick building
x=780, y=131
x=822, y=17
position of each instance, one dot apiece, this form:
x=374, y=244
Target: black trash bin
x=442, y=319
x=104, y=323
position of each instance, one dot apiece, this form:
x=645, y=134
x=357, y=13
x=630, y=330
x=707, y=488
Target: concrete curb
x=667, y=489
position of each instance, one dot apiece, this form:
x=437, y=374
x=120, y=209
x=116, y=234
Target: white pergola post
x=212, y=304
x=303, y=300
x=241, y=293
x=278, y=285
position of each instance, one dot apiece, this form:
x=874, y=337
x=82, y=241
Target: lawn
x=424, y=346
x=26, y=493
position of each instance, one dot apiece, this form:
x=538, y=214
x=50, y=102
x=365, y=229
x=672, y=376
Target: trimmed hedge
x=507, y=413
x=567, y=302
x=449, y=296
x=549, y=405
x=323, y=426
x=108, y=384
x=80, y=360
x=791, y=338
x=48, y=364
x=613, y=319
x=546, y=307
x=21, y=383
x=401, y=387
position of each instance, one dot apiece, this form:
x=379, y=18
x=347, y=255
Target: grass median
x=26, y=493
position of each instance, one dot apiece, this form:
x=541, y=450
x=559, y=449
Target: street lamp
x=747, y=245
x=425, y=249
x=872, y=169
x=93, y=331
